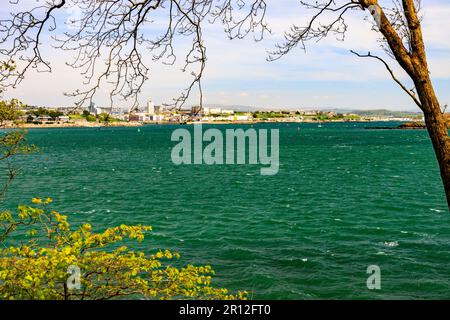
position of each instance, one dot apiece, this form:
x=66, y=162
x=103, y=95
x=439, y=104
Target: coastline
x=79, y=124
x=86, y=124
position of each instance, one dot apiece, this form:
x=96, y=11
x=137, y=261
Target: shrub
x=38, y=268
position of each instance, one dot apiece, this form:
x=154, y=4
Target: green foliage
x=267, y=115
x=104, y=117
x=38, y=268
x=14, y=143
x=75, y=116
x=91, y=118
x=54, y=114
x=39, y=112
x=87, y=115
x=9, y=111
x=352, y=117
x=7, y=66
x=6, y=69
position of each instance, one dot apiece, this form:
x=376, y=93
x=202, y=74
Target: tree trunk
x=437, y=129
x=414, y=62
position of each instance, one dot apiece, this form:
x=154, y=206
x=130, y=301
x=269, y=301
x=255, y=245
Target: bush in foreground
x=58, y=263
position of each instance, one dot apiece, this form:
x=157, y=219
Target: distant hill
x=365, y=113
x=232, y=107
x=387, y=113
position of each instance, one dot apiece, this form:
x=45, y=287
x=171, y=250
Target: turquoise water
x=344, y=198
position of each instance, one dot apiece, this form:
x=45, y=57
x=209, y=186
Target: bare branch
x=316, y=29
x=411, y=93
x=112, y=44
x=24, y=30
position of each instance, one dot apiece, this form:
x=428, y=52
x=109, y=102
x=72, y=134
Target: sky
x=324, y=76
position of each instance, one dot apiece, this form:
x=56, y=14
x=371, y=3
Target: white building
x=139, y=116
x=156, y=118
x=151, y=107
x=145, y=117
x=96, y=110
x=243, y=118
x=207, y=110
x=64, y=118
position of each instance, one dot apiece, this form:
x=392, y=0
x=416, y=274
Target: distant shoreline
x=415, y=125
x=394, y=128
x=75, y=125
x=80, y=124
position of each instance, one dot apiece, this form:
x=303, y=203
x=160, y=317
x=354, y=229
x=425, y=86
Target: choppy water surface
x=344, y=198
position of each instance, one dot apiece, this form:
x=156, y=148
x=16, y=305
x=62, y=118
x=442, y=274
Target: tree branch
x=391, y=72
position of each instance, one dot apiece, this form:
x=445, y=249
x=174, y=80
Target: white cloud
x=326, y=75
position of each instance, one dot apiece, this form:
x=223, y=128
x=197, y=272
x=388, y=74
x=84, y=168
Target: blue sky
x=327, y=75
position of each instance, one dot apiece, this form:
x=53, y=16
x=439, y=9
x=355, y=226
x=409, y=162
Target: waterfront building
x=207, y=111
x=63, y=119
x=243, y=117
x=96, y=110
x=156, y=118
x=215, y=111
x=151, y=108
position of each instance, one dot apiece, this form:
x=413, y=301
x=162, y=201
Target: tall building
x=96, y=110
x=93, y=108
x=151, y=108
